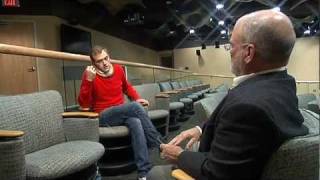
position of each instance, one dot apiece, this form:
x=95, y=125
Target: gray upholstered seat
x=304, y=99
x=297, y=158
x=52, y=146
x=62, y=159
x=314, y=106
x=186, y=100
x=176, y=105
x=114, y=131
x=158, y=109
x=156, y=114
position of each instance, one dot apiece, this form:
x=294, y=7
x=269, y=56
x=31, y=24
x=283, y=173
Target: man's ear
x=250, y=53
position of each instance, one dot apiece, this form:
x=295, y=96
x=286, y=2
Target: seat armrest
x=10, y=134
x=81, y=126
x=181, y=175
x=162, y=96
x=12, y=152
x=80, y=115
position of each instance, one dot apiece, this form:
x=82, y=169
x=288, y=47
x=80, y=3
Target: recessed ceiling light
x=306, y=32
x=276, y=9
x=168, y=2
x=219, y=6
x=221, y=22
x=223, y=32
x=191, y=31
x=210, y=19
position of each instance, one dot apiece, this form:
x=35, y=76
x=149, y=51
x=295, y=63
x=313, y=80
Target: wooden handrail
x=35, y=52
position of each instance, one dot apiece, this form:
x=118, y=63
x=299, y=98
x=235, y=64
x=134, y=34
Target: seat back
x=39, y=115
x=148, y=92
x=210, y=103
x=165, y=86
x=175, y=85
x=298, y=158
x=304, y=99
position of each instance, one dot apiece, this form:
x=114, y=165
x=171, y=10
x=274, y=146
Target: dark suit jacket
x=251, y=122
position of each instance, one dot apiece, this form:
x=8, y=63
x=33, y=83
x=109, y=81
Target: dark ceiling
x=166, y=24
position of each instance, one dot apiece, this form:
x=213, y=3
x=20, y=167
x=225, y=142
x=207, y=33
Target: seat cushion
x=62, y=159
x=186, y=100
x=176, y=105
x=157, y=114
x=114, y=131
x=193, y=97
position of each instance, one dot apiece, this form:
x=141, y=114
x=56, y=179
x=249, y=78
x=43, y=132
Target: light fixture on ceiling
x=219, y=6
x=191, y=31
x=211, y=19
x=307, y=32
x=276, y=9
x=223, y=32
x=221, y=23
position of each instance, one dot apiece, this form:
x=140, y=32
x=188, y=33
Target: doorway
x=18, y=74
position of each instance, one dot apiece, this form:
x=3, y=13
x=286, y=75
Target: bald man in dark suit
x=258, y=114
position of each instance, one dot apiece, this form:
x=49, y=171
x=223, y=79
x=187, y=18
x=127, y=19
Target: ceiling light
x=171, y=32
x=168, y=2
x=306, y=32
x=211, y=19
x=191, y=31
x=221, y=22
x=219, y=6
x=276, y=9
x=223, y=32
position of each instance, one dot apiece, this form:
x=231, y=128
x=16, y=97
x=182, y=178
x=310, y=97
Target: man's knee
x=133, y=123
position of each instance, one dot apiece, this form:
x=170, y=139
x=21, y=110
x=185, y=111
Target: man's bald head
x=271, y=32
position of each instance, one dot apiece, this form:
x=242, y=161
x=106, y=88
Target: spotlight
x=307, y=32
x=191, y=31
x=223, y=32
x=276, y=9
x=221, y=22
x=219, y=6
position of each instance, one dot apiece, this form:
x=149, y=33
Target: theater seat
x=44, y=144
x=158, y=109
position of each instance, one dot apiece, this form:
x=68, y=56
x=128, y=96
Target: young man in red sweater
x=102, y=90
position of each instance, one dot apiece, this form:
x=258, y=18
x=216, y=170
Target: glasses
x=99, y=61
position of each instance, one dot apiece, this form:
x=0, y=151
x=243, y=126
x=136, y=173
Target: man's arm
x=243, y=141
x=85, y=94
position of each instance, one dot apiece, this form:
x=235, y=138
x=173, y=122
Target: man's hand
x=91, y=73
x=170, y=152
x=193, y=134
x=143, y=102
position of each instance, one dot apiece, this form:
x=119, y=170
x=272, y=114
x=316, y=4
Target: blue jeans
x=143, y=133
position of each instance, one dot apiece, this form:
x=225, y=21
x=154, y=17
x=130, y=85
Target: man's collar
x=240, y=79
x=110, y=72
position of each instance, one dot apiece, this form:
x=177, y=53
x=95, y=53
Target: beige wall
x=47, y=33
x=304, y=61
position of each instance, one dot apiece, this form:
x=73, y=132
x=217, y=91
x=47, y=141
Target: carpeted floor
x=154, y=154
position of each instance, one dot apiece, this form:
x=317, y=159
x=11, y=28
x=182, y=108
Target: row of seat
x=43, y=144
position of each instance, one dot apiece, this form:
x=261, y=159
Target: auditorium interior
x=173, y=52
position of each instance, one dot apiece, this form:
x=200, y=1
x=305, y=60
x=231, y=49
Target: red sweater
x=104, y=92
